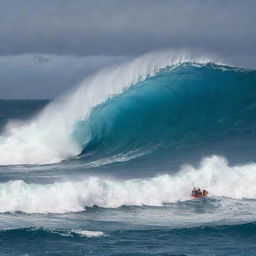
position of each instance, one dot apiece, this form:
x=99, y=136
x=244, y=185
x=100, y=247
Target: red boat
x=198, y=193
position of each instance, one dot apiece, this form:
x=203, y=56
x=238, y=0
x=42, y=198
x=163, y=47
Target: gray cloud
x=40, y=76
x=47, y=46
x=84, y=27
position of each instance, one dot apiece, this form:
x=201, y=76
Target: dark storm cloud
x=39, y=76
x=132, y=27
x=47, y=46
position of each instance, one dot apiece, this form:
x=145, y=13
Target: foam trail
x=214, y=174
x=47, y=137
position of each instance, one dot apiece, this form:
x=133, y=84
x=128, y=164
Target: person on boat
x=197, y=192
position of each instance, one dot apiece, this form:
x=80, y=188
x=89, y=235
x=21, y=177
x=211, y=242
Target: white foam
x=214, y=174
x=88, y=233
x=47, y=137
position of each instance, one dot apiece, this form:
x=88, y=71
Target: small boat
x=198, y=193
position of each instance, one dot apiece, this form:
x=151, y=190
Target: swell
x=237, y=230
x=218, y=240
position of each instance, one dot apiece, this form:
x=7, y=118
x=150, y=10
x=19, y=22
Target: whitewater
x=60, y=197
x=108, y=167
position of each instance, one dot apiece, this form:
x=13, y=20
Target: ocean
x=108, y=167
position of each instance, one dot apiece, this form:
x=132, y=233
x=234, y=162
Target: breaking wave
x=53, y=135
x=214, y=173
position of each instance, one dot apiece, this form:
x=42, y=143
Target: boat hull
x=204, y=194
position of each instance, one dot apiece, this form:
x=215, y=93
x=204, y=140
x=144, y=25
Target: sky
x=48, y=46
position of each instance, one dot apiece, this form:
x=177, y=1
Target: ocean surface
x=108, y=167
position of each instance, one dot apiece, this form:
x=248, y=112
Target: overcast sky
x=47, y=46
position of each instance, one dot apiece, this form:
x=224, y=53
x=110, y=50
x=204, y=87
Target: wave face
x=188, y=104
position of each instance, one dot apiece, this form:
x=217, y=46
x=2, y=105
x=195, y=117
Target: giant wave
x=49, y=137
